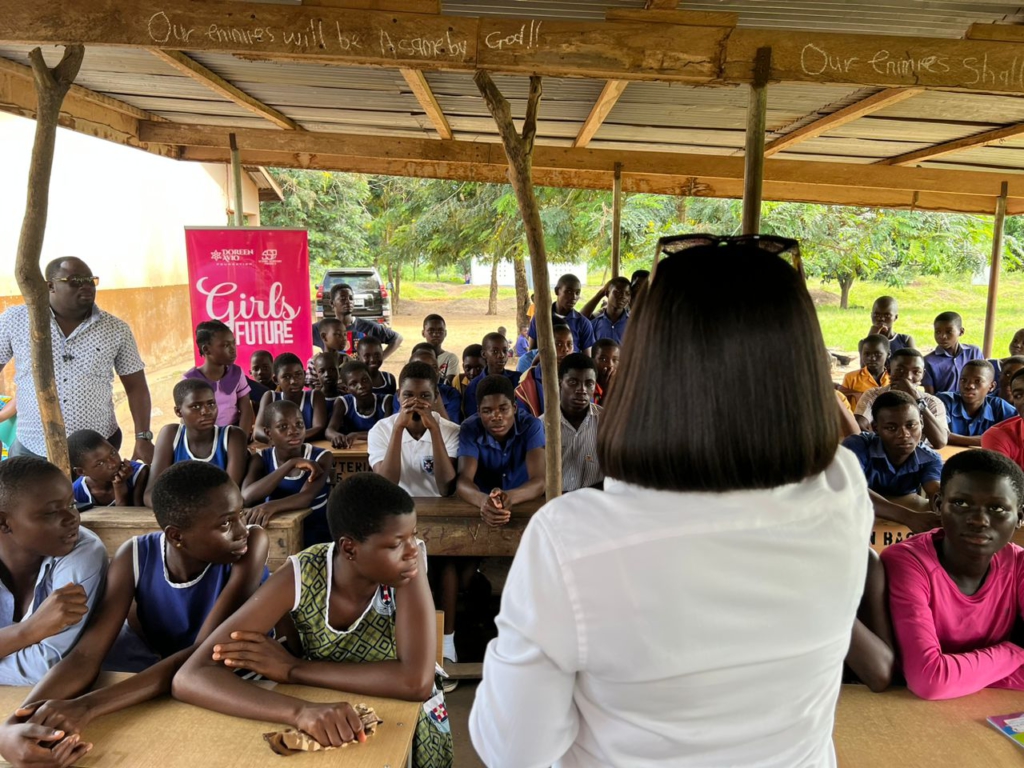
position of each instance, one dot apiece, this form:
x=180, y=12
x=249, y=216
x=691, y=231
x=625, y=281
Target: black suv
x=370, y=295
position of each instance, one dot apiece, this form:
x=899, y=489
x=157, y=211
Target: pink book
x=1011, y=725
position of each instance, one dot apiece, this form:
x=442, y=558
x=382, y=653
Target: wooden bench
x=450, y=526
x=115, y=525
x=347, y=461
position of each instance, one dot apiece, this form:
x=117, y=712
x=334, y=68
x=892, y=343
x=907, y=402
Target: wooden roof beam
x=985, y=139
x=840, y=117
x=602, y=107
x=425, y=96
x=207, y=77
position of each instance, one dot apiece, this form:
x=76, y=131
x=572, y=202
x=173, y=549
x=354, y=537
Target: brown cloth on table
x=291, y=741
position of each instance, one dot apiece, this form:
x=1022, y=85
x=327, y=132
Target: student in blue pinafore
x=365, y=622
x=357, y=412
x=291, y=378
x=327, y=366
x=289, y=475
x=102, y=477
x=197, y=437
x=183, y=581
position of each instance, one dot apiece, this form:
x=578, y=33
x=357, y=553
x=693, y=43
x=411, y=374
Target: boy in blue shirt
x=494, y=352
x=567, y=293
x=501, y=453
x=942, y=367
x=972, y=410
x=610, y=322
x=884, y=314
x=530, y=391
x=897, y=466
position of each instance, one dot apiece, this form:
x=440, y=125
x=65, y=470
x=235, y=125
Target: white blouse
x=651, y=628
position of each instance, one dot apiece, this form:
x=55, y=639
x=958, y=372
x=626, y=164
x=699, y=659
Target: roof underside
x=648, y=116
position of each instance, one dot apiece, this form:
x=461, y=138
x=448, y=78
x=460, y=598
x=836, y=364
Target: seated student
x=51, y=569
x=371, y=352
x=415, y=448
x=522, y=342
x=942, y=367
x=102, y=477
x=1007, y=437
x=435, y=332
x=289, y=475
x=884, y=314
x=501, y=453
x=871, y=657
x=567, y=293
x=610, y=322
x=165, y=593
x=974, y=409
x=956, y=593
x=365, y=624
x=328, y=372
x=577, y=378
x=197, y=437
x=216, y=345
x=291, y=378
x=472, y=366
x=495, y=355
x=334, y=339
x=906, y=368
x=530, y=390
x=1008, y=368
x=356, y=412
x=606, y=358
x=448, y=403
x=260, y=378
x=874, y=353
x=1017, y=343
x=895, y=463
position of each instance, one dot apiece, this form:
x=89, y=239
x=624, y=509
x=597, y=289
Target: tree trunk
x=681, y=210
x=845, y=283
x=398, y=290
x=51, y=87
x=522, y=290
x=519, y=151
x=492, y=300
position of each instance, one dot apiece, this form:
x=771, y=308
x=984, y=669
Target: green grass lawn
x=919, y=303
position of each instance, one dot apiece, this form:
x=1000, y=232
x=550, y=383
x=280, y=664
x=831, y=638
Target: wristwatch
x=922, y=404
x=144, y=436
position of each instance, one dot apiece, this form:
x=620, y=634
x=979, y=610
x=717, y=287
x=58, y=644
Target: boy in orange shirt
x=874, y=353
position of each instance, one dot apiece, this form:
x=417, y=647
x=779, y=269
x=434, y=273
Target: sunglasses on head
x=779, y=246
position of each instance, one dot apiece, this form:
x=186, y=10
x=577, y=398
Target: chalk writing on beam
x=446, y=47
x=161, y=30
x=523, y=38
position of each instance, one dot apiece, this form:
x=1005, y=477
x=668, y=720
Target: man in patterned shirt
x=88, y=344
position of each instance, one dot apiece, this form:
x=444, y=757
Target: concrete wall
x=123, y=211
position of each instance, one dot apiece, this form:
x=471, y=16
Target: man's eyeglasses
x=780, y=246
x=78, y=281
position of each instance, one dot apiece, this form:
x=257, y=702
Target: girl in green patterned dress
x=365, y=620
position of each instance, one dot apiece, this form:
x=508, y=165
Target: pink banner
x=257, y=282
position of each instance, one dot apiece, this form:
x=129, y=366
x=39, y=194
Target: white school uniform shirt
x=677, y=629
x=417, y=455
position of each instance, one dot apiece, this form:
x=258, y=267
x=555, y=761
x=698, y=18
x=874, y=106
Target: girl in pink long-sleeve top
x=956, y=592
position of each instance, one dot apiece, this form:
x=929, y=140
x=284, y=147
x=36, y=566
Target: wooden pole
x=616, y=220
x=51, y=87
x=236, y=179
x=753, y=153
x=993, y=278
x=519, y=151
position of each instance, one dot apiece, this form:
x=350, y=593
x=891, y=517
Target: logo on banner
x=230, y=254
x=269, y=257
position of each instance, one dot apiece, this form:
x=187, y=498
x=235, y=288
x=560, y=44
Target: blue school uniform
x=899, y=341
x=501, y=466
x=960, y=422
x=942, y=370
x=923, y=465
x=256, y=392
x=389, y=387
x=314, y=527
x=469, y=398
x=219, y=456
x=330, y=406
x=84, y=496
x=604, y=328
x=452, y=401
x=306, y=406
x=581, y=327
x=354, y=421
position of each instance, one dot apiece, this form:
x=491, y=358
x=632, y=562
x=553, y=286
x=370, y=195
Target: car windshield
x=361, y=284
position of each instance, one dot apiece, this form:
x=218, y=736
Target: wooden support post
x=519, y=151
x=993, y=278
x=753, y=154
x=236, y=180
x=51, y=87
x=616, y=219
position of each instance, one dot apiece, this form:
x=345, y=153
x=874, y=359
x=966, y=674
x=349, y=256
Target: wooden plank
x=664, y=5
x=219, y=85
x=391, y=6
x=1006, y=33
x=602, y=107
x=984, y=139
x=425, y=96
x=691, y=18
x=840, y=117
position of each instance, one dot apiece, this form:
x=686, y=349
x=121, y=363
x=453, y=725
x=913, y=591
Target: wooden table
x=115, y=525
x=895, y=728
x=952, y=450
x=165, y=733
x=450, y=526
x=348, y=461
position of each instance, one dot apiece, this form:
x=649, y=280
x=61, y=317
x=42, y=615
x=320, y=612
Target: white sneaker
x=448, y=684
